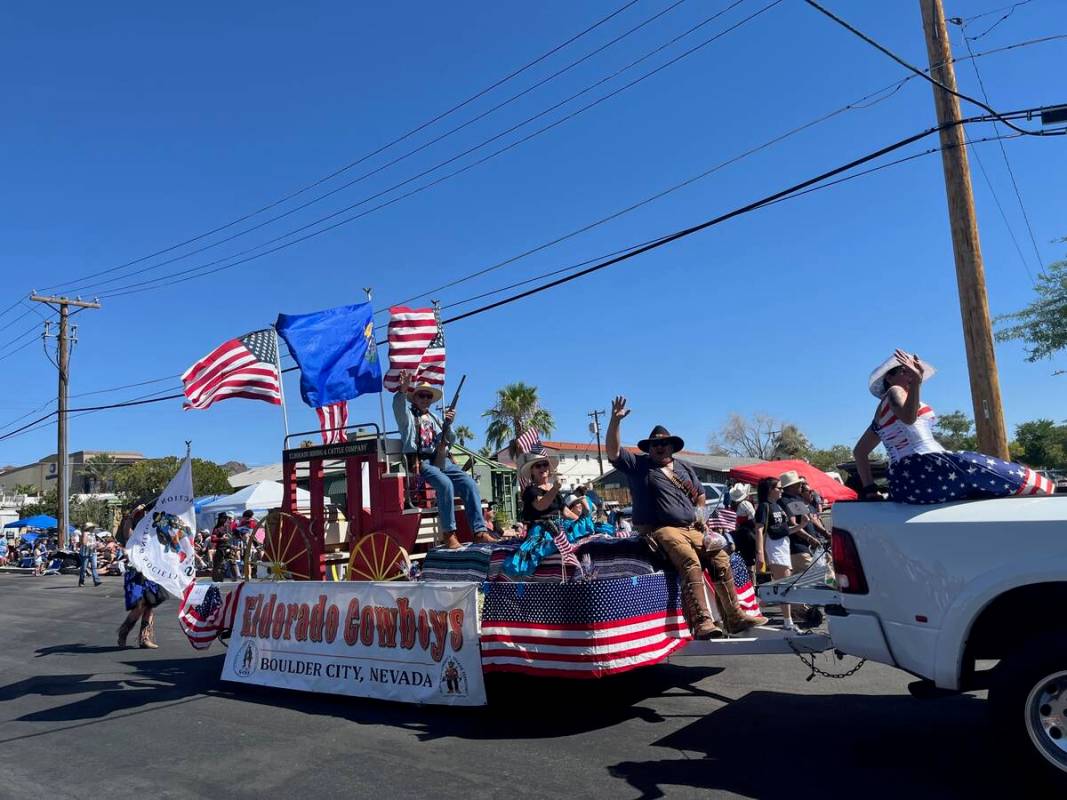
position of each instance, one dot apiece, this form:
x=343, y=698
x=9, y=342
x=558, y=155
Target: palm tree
x=516, y=410
x=100, y=470
x=463, y=434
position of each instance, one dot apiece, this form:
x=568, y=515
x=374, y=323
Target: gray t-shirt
x=657, y=500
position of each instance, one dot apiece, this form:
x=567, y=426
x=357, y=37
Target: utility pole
x=63, y=304
x=970, y=272
x=594, y=427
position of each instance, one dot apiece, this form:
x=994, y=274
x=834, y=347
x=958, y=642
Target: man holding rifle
x=421, y=435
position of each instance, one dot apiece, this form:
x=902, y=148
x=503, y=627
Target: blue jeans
x=448, y=483
x=88, y=560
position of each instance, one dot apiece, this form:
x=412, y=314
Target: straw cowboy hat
x=739, y=491
x=874, y=383
x=659, y=433
x=790, y=478
x=423, y=386
x=527, y=460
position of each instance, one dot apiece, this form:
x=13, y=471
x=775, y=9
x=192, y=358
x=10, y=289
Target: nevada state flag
x=161, y=546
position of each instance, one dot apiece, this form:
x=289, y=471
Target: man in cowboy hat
x=668, y=508
x=88, y=554
x=420, y=432
x=794, y=504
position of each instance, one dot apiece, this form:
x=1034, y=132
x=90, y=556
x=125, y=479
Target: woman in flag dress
x=921, y=471
x=142, y=595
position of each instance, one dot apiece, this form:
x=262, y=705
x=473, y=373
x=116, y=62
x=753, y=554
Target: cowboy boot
x=695, y=605
x=124, y=631
x=148, y=627
x=734, y=618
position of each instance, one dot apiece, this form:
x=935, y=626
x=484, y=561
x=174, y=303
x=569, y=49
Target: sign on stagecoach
x=409, y=642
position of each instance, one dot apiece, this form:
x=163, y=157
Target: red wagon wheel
x=287, y=550
x=378, y=557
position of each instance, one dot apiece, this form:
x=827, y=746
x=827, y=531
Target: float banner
x=161, y=546
x=409, y=642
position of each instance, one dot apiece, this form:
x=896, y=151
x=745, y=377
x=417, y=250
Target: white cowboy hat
x=790, y=478
x=88, y=526
x=874, y=383
x=423, y=386
x=739, y=491
x=527, y=460
x=570, y=500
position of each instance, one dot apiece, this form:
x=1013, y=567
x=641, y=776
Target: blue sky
x=129, y=128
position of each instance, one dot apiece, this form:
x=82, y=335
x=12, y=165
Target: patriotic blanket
x=208, y=609
x=584, y=629
x=599, y=556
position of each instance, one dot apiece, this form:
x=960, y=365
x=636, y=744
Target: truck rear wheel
x=1028, y=699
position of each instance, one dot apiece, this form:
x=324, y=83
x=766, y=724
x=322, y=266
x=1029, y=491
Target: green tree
x=792, y=443
x=955, y=431
x=47, y=503
x=1041, y=444
x=759, y=436
x=26, y=489
x=829, y=459
x=1043, y=323
x=144, y=480
x=100, y=470
x=463, y=434
x=517, y=409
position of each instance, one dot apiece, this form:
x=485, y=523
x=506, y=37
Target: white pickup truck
x=935, y=590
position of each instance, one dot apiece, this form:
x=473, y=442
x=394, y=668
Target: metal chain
x=821, y=672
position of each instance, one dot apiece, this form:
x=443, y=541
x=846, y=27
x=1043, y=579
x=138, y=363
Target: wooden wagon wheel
x=378, y=557
x=287, y=550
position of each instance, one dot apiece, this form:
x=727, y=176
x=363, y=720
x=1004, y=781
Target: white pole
x=281, y=383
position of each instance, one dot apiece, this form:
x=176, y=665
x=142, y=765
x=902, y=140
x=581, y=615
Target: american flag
x=332, y=421
x=566, y=550
x=724, y=520
x=205, y=612
x=245, y=367
x=746, y=592
x=416, y=345
x=529, y=441
x=586, y=629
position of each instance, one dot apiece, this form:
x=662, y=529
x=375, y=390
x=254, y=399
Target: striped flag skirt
x=924, y=478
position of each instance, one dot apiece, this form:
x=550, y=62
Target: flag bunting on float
x=243, y=367
x=333, y=419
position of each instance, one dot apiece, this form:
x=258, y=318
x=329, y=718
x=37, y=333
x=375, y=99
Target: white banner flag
x=410, y=642
x=161, y=546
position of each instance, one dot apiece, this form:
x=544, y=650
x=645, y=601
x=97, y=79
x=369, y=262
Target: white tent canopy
x=259, y=497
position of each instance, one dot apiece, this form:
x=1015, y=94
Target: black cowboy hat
x=659, y=433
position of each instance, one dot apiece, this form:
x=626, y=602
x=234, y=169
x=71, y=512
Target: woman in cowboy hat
x=748, y=544
x=420, y=432
x=545, y=514
x=920, y=469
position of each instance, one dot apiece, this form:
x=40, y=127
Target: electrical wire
x=803, y=187
x=1010, y=9
x=993, y=11
x=1011, y=172
x=882, y=48
x=422, y=126
x=212, y=268
x=403, y=157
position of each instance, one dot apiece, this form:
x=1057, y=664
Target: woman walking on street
x=142, y=595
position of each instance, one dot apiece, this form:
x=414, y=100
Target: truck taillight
x=850, y=577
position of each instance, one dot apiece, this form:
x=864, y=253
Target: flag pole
x=281, y=383
x=369, y=290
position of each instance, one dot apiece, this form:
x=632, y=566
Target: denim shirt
x=408, y=425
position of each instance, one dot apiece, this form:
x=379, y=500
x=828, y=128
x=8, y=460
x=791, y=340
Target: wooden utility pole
x=63, y=304
x=595, y=426
x=970, y=272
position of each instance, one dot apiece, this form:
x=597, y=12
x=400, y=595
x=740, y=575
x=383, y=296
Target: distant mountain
x=233, y=467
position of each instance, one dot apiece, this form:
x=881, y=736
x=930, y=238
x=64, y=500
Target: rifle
x=440, y=456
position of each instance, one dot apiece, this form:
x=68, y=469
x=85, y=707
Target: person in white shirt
x=88, y=554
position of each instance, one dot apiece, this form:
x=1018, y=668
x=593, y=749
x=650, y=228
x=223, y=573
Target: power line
x=993, y=11
x=400, y=158
x=804, y=187
x=207, y=269
x=1007, y=164
x=882, y=48
x=1010, y=9
x=422, y=126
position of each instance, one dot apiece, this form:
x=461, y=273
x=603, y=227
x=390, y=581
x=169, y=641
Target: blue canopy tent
x=39, y=522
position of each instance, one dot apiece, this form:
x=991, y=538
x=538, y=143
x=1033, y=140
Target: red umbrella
x=831, y=490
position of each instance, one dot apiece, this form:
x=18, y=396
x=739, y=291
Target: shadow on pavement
x=767, y=743
x=77, y=649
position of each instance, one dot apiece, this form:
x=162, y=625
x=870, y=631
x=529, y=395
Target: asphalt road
x=80, y=718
